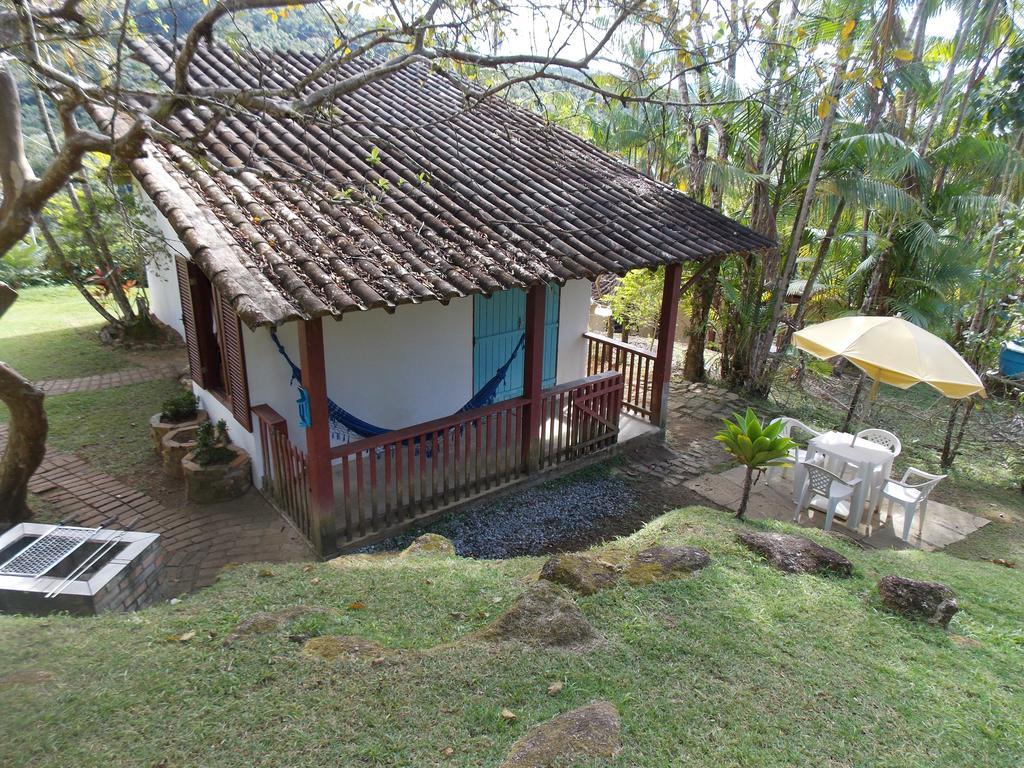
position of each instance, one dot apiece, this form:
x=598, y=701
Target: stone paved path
x=695, y=415
x=110, y=380
x=198, y=540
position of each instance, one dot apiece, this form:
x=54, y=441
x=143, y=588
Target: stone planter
x=158, y=428
x=222, y=481
x=175, y=445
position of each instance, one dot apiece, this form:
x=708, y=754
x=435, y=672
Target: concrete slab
x=773, y=499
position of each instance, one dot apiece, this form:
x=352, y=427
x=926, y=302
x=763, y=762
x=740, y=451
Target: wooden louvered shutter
x=188, y=319
x=236, y=383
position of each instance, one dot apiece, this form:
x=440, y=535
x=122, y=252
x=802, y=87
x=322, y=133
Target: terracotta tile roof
x=300, y=219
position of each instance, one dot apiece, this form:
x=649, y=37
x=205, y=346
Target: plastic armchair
x=883, y=438
x=912, y=495
x=821, y=482
x=797, y=431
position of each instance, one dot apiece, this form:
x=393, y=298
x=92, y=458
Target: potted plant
x=755, y=447
x=215, y=469
x=181, y=410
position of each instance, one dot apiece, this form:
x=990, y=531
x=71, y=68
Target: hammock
x=344, y=424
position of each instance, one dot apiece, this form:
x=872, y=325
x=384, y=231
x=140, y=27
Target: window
x=213, y=336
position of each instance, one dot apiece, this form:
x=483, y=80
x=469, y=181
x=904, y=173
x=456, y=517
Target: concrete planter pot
x=158, y=428
x=221, y=481
x=175, y=445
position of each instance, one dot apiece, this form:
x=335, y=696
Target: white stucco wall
x=574, y=315
x=161, y=277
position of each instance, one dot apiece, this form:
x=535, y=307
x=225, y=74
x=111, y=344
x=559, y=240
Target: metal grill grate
x=46, y=551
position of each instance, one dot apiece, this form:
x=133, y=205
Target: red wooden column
x=666, y=344
x=318, y=438
x=533, y=370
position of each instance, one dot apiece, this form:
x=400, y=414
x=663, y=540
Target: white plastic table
x=839, y=449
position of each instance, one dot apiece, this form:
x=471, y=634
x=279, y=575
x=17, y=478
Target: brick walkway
x=198, y=540
x=110, y=380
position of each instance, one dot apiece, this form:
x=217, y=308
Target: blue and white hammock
x=346, y=427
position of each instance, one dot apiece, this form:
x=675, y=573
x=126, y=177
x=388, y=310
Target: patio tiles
x=773, y=500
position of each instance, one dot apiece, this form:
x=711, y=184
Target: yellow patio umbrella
x=892, y=351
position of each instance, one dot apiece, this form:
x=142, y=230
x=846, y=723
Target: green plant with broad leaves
x=756, y=447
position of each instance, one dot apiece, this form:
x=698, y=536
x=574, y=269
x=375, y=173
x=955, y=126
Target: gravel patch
x=588, y=506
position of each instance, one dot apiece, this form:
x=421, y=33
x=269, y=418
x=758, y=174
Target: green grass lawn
x=51, y=333
x=110, y=428
x=737, y=666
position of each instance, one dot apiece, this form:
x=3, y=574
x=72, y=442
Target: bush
x=212, y=444
x=180, y=408
x=23, y=266
x=755, y=446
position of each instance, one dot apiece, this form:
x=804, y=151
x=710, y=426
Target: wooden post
x=666, y=344
x=318, y=439
x=532, y=376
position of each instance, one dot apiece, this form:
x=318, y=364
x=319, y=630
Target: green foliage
x=636, y=300
x=181, y=407
x=23, y=266
x=755, y=446
x=212, y=444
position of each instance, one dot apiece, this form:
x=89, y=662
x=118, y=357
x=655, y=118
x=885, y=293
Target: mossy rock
x=430, y=544
x=592, y=731
x=337, y=647
x=545, y=615
x=581, y=573
x=926, y=601
x=265, y=621
x=663, y=563
x=796, y=554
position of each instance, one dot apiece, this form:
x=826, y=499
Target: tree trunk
x=853, y=402
x=702, y=295
x=26, y=443
x=748, y=481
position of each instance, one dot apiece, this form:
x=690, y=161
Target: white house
x=388, y=303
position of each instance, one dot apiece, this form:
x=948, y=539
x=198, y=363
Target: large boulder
x=795, y=554
x=588, y=732
x=544, y=615
x=661, y=563
x=921, y=600
x=581, y=573
x=429, y=544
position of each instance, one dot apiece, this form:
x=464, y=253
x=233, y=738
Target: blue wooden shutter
x=498, y=324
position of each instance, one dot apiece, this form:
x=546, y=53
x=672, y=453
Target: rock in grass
x=921, y=600
x=429, y=544
x=264, y=622
x=662, y=563
x=544, y=615
x=334, y=647
x=795, y=554
x=581, y=573
x=590, y=731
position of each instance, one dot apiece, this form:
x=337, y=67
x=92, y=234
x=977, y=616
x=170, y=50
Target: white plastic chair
x=797, y=431
x=883, y=438
x=821, y=482
x=912, y=495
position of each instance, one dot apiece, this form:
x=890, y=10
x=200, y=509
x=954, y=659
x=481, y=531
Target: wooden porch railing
x=382, y=482
x=580, y=417
x=285, y=474
x=636, y=366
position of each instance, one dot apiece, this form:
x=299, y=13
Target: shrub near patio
x=737, y=664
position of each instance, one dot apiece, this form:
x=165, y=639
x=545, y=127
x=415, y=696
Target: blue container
x=1011, y=358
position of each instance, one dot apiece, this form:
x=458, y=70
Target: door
x=499, y=323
